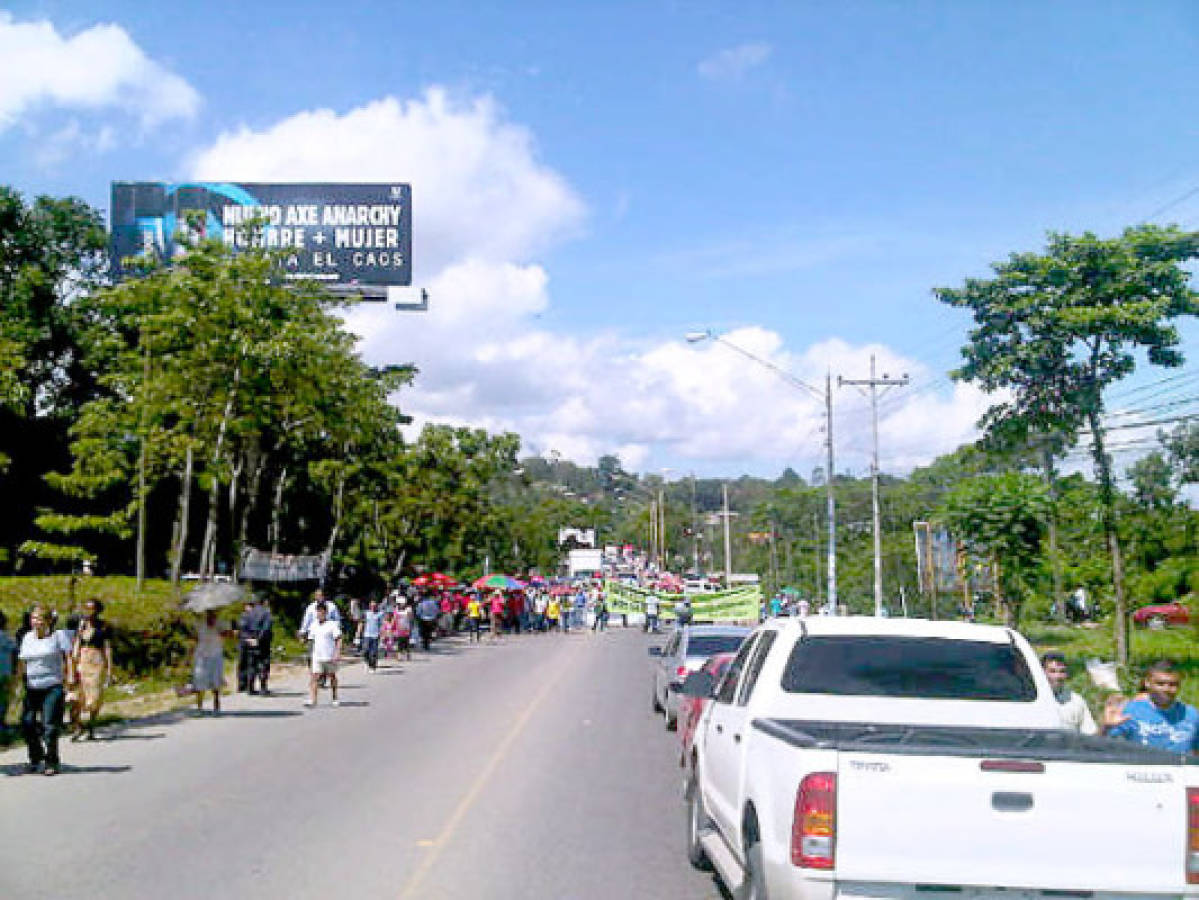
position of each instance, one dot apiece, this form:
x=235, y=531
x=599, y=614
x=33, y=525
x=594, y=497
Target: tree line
x=166, y=423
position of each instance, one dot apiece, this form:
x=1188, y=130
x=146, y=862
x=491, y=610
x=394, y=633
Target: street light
x=695, y=337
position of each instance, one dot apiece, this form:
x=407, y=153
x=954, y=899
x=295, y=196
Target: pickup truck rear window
x=909, y=667
x=707, y=644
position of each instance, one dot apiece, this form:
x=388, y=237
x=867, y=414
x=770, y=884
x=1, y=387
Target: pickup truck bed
x=941, y=740
x=866, y=758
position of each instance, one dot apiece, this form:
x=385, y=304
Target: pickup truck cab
x=857, y=758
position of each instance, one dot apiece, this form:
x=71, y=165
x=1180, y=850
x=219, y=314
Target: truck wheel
x=697, y=823
x=657, y=702
x=672, y=721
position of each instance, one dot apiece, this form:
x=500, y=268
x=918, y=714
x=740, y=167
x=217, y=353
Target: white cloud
x=734, y=62
x=478, y=188
x=484, y=208
x=100, y=68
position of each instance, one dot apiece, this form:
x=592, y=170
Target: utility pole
x=694, y=531
x=818, y=548
x=831, y=600
x=728, y=544
x=874, y=383
x=664, y=561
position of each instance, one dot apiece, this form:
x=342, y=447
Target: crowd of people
x=62, y=668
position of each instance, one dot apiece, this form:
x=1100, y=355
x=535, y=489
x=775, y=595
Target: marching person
x=652, y=607
x=310, y=617
x=8, y=661
x=208, y=667
x=43, y=667
x=403, y=630
x=325, y=635
x=247, y=640
x=370, y=628
x=474, y=618
x=427, y=611
x=92, y=655
x=497, y=607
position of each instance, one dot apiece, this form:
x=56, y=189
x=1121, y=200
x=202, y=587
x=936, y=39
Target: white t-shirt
x=310, y=614
x=324, y=637
x=43, y=658
x=1074, y=712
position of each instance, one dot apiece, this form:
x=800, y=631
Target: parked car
x=684, y=652
x=1159, y=615
x=897, y=758
x=691, y=708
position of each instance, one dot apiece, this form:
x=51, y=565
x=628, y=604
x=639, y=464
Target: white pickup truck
x=897, y=759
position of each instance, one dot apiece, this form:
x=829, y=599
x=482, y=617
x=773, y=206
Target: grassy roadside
x=152, y=637
x=1080, y=643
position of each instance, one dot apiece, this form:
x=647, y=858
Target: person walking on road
x=652, y=608
x=474, y=618
x=325, y=635
x=247, y=646
x=370, y=629
x=8, y=662
x=553, y=612
x=497, y=607
x=403, y=630
x=92, y=656
x=43, y=667
x=427, y=611
x=601, y=614
x=208, y=666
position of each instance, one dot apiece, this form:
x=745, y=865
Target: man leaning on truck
x=1072, y=707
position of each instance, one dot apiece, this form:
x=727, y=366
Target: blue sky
x=798, y=174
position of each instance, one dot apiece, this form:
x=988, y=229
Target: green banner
x=742, y=604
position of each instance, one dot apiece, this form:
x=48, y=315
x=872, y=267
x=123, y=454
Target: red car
x=1161, y=614
x=691, y=708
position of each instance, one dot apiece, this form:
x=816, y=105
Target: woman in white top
x=208, y=670
x=43, y=666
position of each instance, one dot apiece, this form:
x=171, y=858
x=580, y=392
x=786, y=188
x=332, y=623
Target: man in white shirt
x=1072, y=708
x=325, y=635
x=652, y=606
x=310, y=612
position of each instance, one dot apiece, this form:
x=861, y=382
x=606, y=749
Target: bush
x=150, y=632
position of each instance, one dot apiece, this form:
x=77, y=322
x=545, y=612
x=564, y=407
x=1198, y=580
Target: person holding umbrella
x=208, y=659
x=208, y=667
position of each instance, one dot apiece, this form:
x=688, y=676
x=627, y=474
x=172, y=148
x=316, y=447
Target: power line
x=1173, y=203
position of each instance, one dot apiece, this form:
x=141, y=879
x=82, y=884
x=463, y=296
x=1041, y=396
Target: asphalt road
x=528, y=768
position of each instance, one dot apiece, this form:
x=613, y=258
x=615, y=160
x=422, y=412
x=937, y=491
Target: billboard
x=348, y=235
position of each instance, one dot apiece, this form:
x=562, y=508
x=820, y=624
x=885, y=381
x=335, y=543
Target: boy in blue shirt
x=1159, y=719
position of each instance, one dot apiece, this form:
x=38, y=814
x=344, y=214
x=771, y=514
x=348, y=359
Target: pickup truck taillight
x=681, y=672
x=814, y=829
x=1192, y=860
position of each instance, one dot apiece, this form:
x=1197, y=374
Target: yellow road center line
x=476, y=788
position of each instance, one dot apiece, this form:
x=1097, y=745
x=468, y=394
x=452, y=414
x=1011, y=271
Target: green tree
x=1053, y=330
x=1182, y=450
x=1003, y=518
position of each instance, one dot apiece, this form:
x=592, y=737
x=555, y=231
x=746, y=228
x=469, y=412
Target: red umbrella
x=444, y=580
